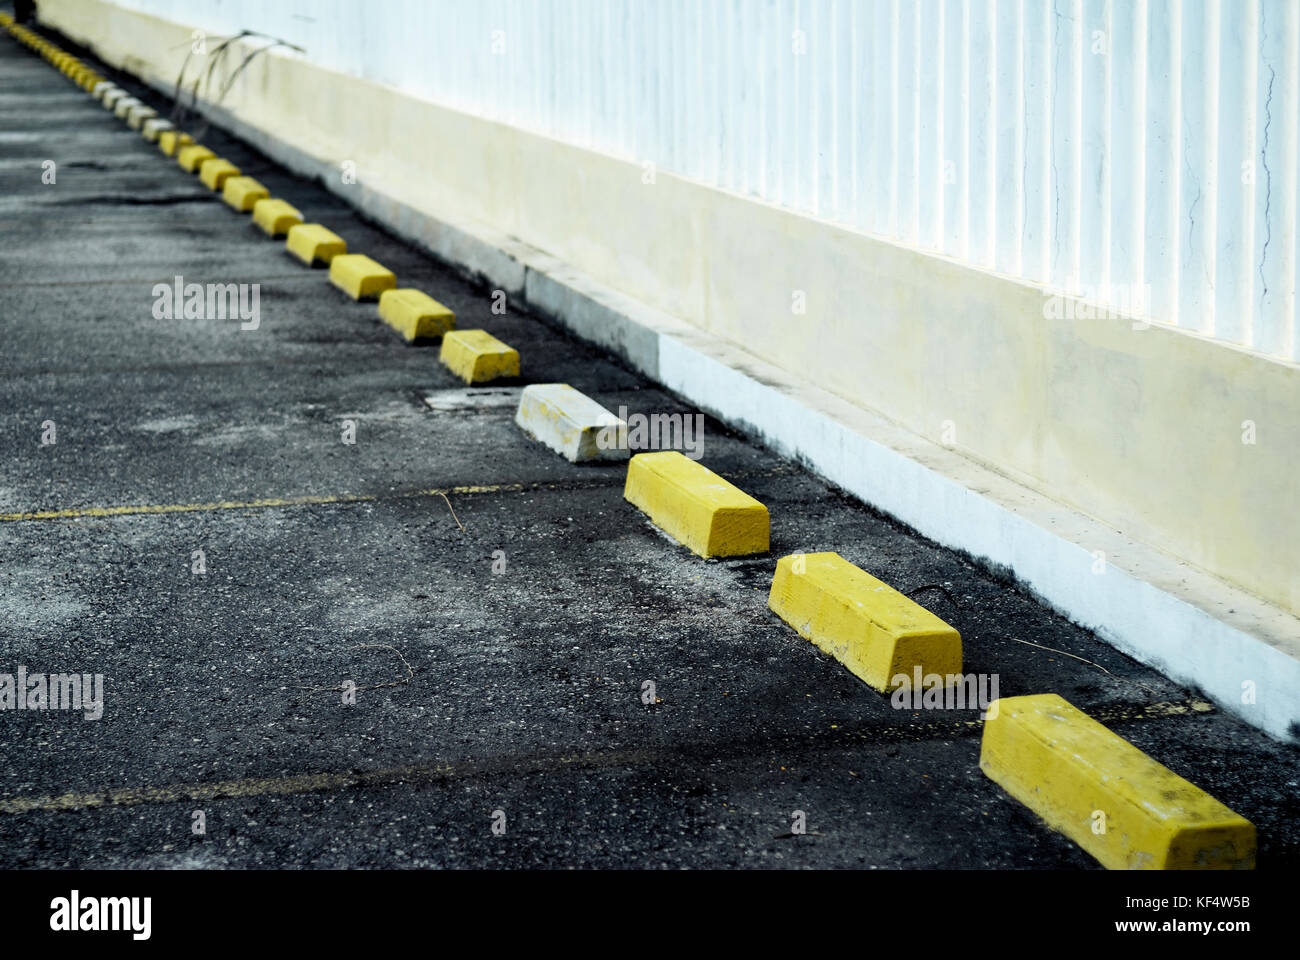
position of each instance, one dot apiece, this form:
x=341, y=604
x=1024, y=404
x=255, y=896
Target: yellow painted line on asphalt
x=265, y=503
x=428, y=773
x=116, y=281
x=133, y=796
x=343, y=498
x=180, y=507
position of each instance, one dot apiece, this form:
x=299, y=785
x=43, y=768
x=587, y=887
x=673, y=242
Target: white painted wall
x=1127, y=149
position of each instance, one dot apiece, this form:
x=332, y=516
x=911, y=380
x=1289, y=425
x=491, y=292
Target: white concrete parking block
x=571, y=423
x=154, y=126
x=138, y=114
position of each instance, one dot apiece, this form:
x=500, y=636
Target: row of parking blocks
x=1124, y=808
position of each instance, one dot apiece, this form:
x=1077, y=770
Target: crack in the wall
x=1191, y=210
x=1056, y=177
x=1268, y=181
x=1024, y=170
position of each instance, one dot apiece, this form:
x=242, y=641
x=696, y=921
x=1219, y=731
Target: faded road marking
x=429, y=773
x=266, y=503
x=343, y=498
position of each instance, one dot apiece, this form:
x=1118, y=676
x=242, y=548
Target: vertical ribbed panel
x=1136, y=151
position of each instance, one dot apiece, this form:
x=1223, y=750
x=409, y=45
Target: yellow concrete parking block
x=695, y=506
x=1122, y=807
x=243, y=192
x=154, y=127
x=478, y=357
x=358, y=276
x=111, y=96
x=880, y=634
x=310, y=242
x=275, y=216
x=215, y=172
x=192, y=157
x=124, y=104
x=169, y=141
x=571, y=423
x=414, y=314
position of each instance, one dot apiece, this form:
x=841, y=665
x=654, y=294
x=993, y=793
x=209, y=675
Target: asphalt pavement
x=511, y=696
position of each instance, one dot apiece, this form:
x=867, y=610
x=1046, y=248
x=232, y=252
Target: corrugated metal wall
x=1142, y=152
